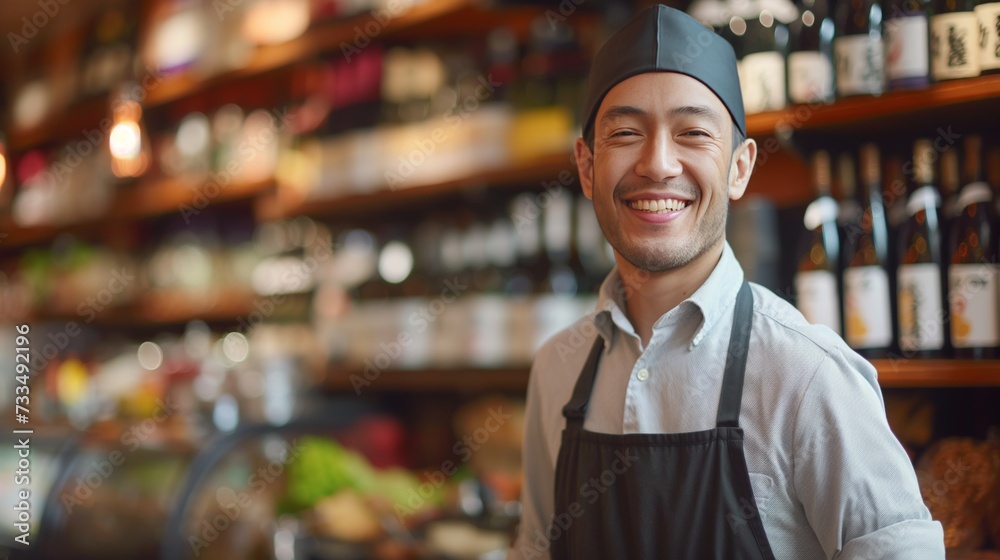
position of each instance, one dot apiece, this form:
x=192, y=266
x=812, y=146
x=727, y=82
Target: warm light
x=126, y=140
x=3, y=164
x=270, y=22
x=129, y=150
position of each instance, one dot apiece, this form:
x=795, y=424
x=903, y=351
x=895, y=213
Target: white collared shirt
x=829, y=477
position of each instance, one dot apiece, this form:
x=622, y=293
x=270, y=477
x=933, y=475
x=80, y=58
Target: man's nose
x=659, y=160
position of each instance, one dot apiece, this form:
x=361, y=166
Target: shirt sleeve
x=539, y=481
x=853, y=478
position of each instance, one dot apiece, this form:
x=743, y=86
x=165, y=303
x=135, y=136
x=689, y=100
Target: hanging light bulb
x=3, y=162
x=127, y=142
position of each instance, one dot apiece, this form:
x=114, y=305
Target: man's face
x=663, y=169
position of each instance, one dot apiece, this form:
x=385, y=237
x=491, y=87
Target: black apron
x=683, y=496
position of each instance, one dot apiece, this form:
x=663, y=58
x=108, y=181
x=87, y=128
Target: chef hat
x=662, y=39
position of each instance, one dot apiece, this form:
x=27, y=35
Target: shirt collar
x=711, y=300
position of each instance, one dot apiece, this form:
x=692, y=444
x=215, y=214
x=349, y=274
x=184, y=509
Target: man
x=693, y=415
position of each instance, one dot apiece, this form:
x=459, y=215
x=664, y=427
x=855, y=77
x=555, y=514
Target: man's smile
x=658, y=205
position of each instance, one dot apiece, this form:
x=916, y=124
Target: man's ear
x=584, y=166
x=741, y=167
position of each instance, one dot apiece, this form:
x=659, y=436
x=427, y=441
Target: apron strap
x=736, y=360
x=576, y=409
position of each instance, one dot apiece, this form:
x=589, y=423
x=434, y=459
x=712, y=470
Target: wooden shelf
x=462, y=380
x=146, y=199
x=533, y=172
x=165, y=307
x=874, y=113
x=908, y=374
x=938, y=373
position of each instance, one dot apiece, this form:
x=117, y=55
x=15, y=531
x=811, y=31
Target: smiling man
x=694, y=415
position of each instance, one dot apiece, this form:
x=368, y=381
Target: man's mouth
x=659, y=205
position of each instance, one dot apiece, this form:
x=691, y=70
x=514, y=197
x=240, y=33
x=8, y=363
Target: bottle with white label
x=972, y=274
x=919, y=295
x=988, y=16
x=810, y=53
x=867, y=303
x=907, y=56
x=858, y=48
x=954, y=40
x=817, y=279
x=763, y=65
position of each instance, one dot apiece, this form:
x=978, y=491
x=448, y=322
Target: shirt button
x=642, y=374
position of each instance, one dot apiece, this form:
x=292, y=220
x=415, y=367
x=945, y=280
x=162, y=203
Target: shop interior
x=275, y=270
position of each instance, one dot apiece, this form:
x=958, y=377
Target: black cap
x=662, y=39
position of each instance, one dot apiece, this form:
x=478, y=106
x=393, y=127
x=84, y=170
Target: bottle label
x=973, y=193
x=975, y=321
x=817, y=298
x=906, y=44
x=954, y=47
x=921, y=314
x=860, y=64
x=867, y=316
x=989, y=35
x=763, y=82
x=810, y=76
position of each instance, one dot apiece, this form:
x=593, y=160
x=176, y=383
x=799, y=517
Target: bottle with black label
x=810, y=56
x=907, y=57
x=988, y=16
x=954, y=40
x=858, y=48
x=817, y=279
x=972, y=274
x=919, y=294
x=867, y=303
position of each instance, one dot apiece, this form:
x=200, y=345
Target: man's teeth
x=658, y=206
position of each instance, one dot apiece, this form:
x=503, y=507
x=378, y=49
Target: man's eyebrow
x=618, y=111
x=698, y=111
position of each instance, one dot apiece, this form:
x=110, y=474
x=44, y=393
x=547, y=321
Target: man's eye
x=623, y=133
x=696, y=133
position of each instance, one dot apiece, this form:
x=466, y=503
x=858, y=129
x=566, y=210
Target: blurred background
x=272, y=272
